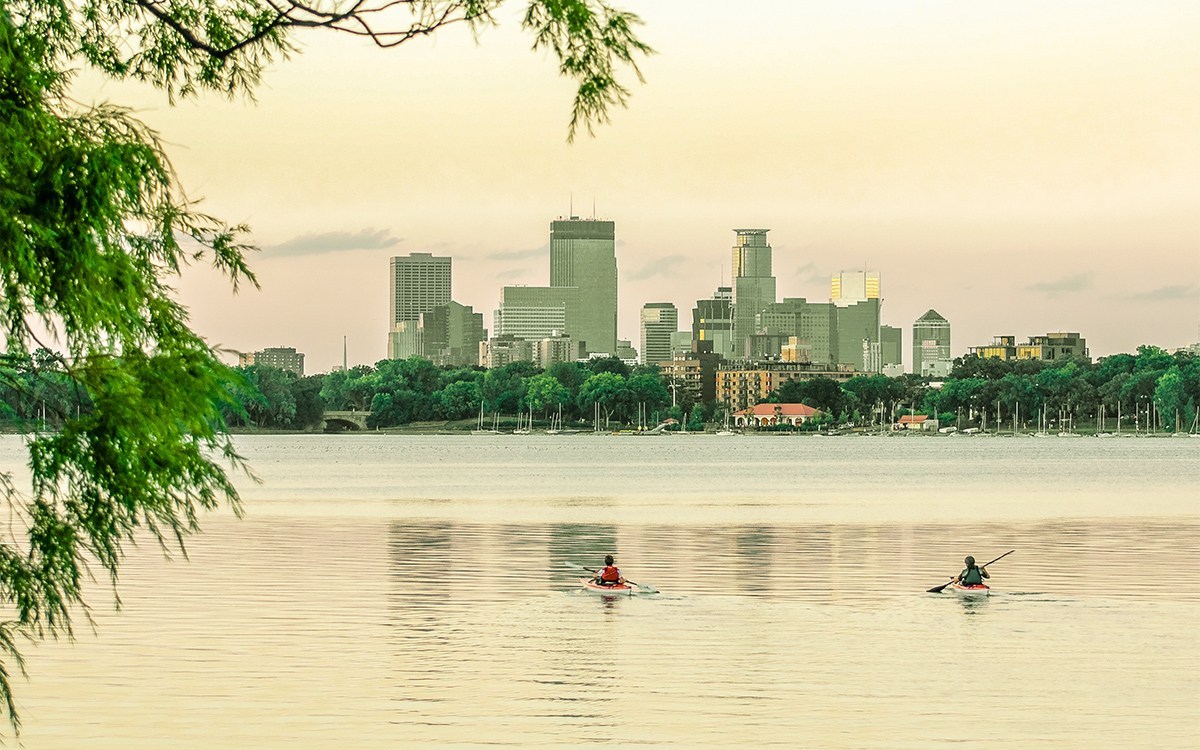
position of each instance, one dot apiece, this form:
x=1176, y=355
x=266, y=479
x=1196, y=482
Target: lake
x=395, y=591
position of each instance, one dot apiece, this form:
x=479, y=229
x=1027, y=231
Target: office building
x=624, y=352
x=450, y=335
x=712, y=321
x=681, y=343
x=813, y=325
x=931, y=345
x=849, y=287
x=857, y=326
x=740, y=385
x=1052, y=346
x=660, y=321
x=279, y=357
x=555, y=348
x=535, y=312
x=419, y=283
x=499, y=351
x=581, y=301
x=404, y=340
x=753, y=284
x=891, y=350
x=583, y=255
x=694, y=373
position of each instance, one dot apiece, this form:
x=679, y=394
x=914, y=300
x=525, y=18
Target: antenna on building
x=344, y=354
x=593, y=208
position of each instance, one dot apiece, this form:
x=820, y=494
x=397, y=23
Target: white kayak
x=620, y=589
x=974, y=590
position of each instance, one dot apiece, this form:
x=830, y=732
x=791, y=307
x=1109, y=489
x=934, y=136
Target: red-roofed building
x=764, y=415
x=916, y=422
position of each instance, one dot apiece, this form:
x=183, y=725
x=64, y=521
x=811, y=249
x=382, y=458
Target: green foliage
x=820, y=393
x=93, y=228
x=91, y=232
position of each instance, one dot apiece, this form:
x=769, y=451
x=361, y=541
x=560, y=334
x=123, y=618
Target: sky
x=1020, y=167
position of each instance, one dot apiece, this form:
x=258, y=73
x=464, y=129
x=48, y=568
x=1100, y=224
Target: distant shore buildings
x=1052, y=346
x=279, y=357
x=931, y=345
x=424, y=320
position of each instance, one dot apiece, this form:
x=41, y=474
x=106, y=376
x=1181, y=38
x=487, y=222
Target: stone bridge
x=342, y=421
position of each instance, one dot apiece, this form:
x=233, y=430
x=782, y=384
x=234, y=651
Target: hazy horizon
x=1019, y=168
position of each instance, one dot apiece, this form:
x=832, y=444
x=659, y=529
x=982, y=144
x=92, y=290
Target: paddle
x=640, y=586
x=939, y=589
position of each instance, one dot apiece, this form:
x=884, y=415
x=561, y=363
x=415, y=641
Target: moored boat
x=975, y=589
x=622, y=589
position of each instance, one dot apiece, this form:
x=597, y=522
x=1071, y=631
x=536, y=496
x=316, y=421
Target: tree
x=605, y=389
x=820, y=393
x=460, y=399
x=93, y=226
x=306, y=393
x=544, y=392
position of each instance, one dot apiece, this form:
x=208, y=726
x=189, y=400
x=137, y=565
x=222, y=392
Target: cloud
x=1066, y=285
x=809, y=272
x=529, y=252
x=331, y=242
x=664, y=266
x=1168, y=293
x=513, y=273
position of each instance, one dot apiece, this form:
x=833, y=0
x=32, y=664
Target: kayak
x=623, y=589
x=976, y=589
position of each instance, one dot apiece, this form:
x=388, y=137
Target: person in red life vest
x=609, y=575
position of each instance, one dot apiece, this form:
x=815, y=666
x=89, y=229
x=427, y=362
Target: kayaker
x=609, y=575
x=972, y=575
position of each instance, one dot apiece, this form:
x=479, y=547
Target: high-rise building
x=849, y=287
x=581, y=301
x=857, y=328
x=660, y=320
x=931, y=345
x=420, y=282
x=404, y=340
x=892, y=350
x=553, y=349
x=812, y=325
x=535, y=312
x=450, y=335
x=583, y=255
x=753, y=284
x=279, y=357
x=624, y=351
x=712, y=321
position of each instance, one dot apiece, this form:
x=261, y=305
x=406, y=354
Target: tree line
x=1149, y=388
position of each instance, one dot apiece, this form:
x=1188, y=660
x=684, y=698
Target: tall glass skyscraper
x=753, y=284
x=583, y=255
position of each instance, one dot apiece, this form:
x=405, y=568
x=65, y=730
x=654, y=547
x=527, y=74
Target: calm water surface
x=404, y=591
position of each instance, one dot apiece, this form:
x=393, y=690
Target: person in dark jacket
x=973, y=574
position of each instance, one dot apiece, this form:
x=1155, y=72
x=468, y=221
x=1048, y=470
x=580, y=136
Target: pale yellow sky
x=1021, y=167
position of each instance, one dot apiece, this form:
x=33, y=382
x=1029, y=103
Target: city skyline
x=1021, y=169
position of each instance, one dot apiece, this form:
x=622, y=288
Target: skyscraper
x=660, y=320
x=712, y=321
x=931, y=345
x=583, y=255
x=753, y=284
x=849, y=287
x=420, y=282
